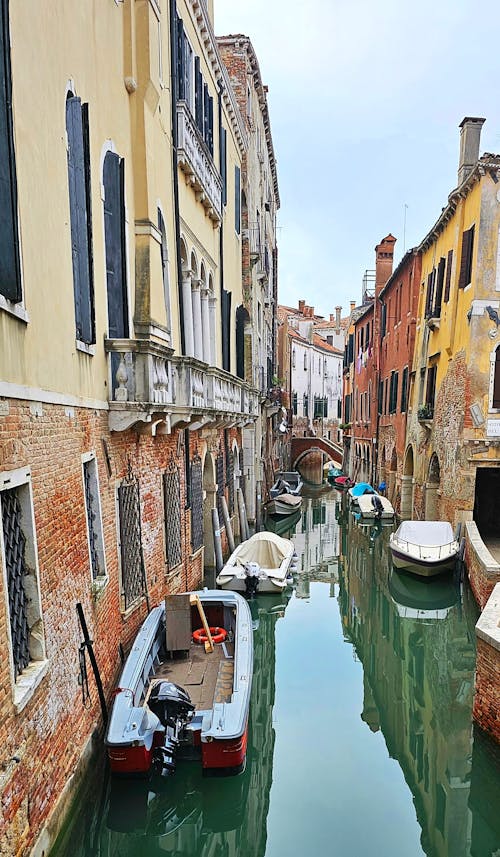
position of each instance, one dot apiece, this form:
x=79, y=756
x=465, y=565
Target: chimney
x=301, y=306
x=384, y=255
x=338, y=310
x=311, y=312
x=352, y=305
x=332, y=318
x=470, y=136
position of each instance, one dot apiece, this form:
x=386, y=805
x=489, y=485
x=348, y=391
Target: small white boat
x=360, y=489
x=424, y=547
x=284, y=504
x=374, y=506
x=261, y=563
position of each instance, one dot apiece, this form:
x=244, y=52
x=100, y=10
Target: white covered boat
x=284, y=504
x=262, y=563
x=374, y=506
x=424, y=547
x=176, y=697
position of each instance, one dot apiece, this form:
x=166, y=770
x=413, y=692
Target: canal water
x=361, y=738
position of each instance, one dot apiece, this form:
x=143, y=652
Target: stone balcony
x=152, y=387
x=197, y=164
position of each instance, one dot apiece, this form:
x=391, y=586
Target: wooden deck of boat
x=207, y=677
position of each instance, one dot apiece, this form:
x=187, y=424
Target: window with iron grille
x=133, y=576
x=196, y=503
x=172, y=503
x=94, y=519
x=21, y=571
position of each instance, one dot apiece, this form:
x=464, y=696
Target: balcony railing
x=197, y=164
x=148, y=384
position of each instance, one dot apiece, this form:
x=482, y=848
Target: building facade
x=121, y=408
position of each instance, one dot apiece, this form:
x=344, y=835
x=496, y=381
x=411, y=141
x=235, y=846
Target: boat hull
x=424, y=568
x=282, y=507
x=266, y=585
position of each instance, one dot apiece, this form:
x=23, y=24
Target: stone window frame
x=491, y=384
x=24, y=687
x=102, y=579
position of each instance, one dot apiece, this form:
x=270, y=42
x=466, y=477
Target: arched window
x=293, y=358
x=305, y=359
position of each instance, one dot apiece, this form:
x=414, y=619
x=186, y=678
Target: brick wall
x=487, y=696
x=49, y=733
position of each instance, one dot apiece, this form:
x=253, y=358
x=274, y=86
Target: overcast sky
x=365, y=100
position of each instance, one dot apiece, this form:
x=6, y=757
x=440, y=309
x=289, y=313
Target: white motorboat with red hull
x=426, y=548
x=187, y=702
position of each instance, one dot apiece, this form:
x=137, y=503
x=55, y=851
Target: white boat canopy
x=265, y=548
x=428, y=533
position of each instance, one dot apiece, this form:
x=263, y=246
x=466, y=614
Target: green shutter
x=10, y=274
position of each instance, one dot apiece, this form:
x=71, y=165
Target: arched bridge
x=302, y=446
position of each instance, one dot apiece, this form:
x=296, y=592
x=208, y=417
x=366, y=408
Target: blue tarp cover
x=362, y=488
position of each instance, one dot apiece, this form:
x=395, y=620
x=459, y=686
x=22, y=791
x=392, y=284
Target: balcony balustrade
x=149, y=385
x=197, y=164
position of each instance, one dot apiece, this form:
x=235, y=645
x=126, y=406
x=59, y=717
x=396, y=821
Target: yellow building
x=452, y=459
x=121, y=408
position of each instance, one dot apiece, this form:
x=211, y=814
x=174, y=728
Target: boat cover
x=362, y=488
x=428, y=533
x=267, y=549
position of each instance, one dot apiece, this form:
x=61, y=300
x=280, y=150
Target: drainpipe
x=175, y=176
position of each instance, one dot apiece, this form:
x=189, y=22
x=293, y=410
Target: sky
x=365, y=99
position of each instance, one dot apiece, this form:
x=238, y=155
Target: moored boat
x=286, y=482
x=177, y=698
x=284, y=504
x=424, y=547
x=422, y=598
x=342, y=483
x=261, y=563
x=358, y=490
x=283, y=525
x=375, y=507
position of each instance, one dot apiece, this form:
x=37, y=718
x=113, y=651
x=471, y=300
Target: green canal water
x=361, y=738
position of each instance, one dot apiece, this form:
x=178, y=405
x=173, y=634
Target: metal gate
x=91, y=505
x=172, y=504
x=196, y=503
x=133, y=571
x=15, y=541
x=229, y=478
x=219, y=475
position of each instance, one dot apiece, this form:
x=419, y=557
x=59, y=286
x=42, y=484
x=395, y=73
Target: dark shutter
x=198, y=95
x=430, y=293
x=439, y=288
x=180, y=60
x=496, y=381
x=205, y=112
x=10, y=275
x=404, y=390
x=466, y=258
x=226, y=330
x=223, y=164
x=237, y=199
x=78, y=219
x=114, y=229
x=447, y=286
x=210, y=140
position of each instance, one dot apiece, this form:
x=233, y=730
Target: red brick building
x=398, y=308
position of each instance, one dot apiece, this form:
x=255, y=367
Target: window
x=466, y=258
x=133, y=575
x=447, y=287
x=10, y=271
x=77, y=130
x=22, y=586
x=94, y=518
x=237, y=200
x=436, y=312
x=305, y=360
x=495, y=380
x=306, y=405
x=404, y=390
x=430, y=294
x=393, y=393
x=431, y=388
x=223, y=164
x=295, y=404
x=164, y=269
x=293, y=358
x=383, y=320
x=114, y=233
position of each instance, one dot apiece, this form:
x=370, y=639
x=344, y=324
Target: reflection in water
x=415, y=641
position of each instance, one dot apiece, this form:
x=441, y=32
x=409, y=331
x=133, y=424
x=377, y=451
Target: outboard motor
x=377, y=505
x=252, y=574
x=174, y=709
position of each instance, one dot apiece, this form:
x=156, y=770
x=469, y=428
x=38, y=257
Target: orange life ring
x=218, y=635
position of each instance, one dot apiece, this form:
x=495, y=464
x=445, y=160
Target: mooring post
x=227, y=524
x=243, y=516
x=258, y=508
x=217, y=541
x=95, y=669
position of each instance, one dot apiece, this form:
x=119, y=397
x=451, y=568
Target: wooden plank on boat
x=224, y=685
x=209, y=643
x=196, y=674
